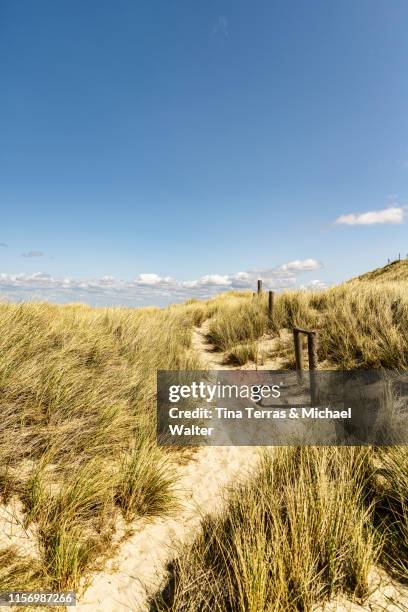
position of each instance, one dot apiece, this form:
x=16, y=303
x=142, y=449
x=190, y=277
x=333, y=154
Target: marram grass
x=78, y=448
x=78, y=426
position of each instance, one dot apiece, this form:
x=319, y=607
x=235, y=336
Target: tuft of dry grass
x=242, y=353
x=16, y=569
x=146, y=482
x=389, y=485
x=239, y=321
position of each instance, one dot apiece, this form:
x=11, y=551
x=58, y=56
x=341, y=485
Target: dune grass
x=240, y=320
x=312, y=525
x=315, y=521
x=360, y=325
x=240, y=354
x=78, y=429
x=296, y=535
x=78, y=425
x=389, y=484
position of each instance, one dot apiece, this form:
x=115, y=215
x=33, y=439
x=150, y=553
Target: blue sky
x=152, y=150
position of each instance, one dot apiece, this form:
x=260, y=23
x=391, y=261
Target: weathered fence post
x=297, y=339
x=270, y=303
x=312, y=351
x=259, y=286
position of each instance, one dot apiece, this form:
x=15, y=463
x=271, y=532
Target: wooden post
x=259, y=287
x=312, y=351
x=297, y=339
x=270, y=304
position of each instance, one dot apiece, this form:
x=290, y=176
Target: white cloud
x=150, y=279
x=209, y=280
x=302, y=265
x=147, y=287
x=392, y=215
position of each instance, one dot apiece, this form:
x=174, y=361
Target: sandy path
x=138, y=571
x=269, y=347
x=211, y=359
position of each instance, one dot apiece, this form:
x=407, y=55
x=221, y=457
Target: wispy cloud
x=146, y=287
x=394, y=215
x=32, y=254
x=3, y=244
x=220, y=27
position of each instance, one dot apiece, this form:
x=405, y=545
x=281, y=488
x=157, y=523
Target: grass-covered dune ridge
x=396, y=270
x=359, y=324
x=78, y=424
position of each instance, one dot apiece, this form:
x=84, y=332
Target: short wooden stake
x=297, y=339
x=312, y=351
x=270, y=303
x=259, y=286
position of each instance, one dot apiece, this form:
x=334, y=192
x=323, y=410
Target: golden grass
x=311, y=525
x=396, y=270
x=314, y=521
x=239, y=354
x=360, y=325
x=390, y=492
x=296, y=535
x=78, y=428
x=240, y=320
